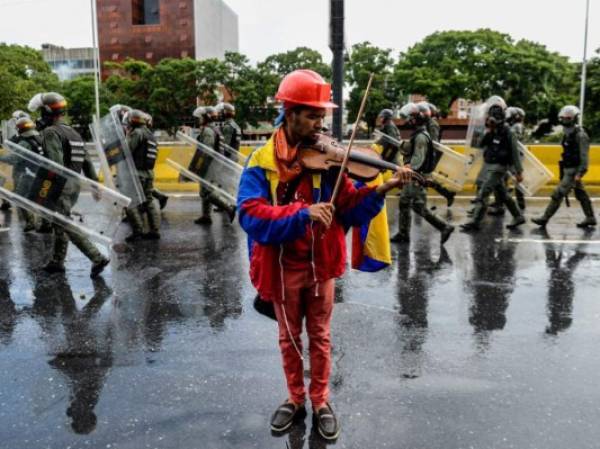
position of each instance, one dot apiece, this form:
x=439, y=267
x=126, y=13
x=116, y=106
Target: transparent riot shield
x=116, y=160
x=233, y=154
x=535, y=174
x=451, y=169
x=476, y=129
x=9, y=130
x=218, y=176
x=59, y=195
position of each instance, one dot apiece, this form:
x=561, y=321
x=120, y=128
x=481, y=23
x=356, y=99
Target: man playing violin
x=297, y=241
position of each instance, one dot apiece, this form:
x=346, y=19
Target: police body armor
x=73, y=146
x=145, y=155
x=498, y=149
x=218, y=138
x=35, y=142
x=430, y=161
x=571, y=157
x=236, y=137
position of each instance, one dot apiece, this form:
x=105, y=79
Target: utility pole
x=336, y=44
x=584, y=65
x=96, y=57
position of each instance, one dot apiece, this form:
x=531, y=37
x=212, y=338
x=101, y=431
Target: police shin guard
x=548, y=213
x=588, y=210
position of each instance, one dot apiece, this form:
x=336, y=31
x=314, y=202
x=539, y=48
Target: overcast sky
x=271, y=26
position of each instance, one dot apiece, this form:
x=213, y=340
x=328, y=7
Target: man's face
x=306, y=123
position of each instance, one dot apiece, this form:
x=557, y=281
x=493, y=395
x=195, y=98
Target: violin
x=364, y=164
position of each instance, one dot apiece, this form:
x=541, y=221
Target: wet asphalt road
x=487, y=344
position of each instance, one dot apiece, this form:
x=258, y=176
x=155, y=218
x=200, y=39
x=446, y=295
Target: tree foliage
x=365, y=59
x=477, y=64
x=592, y=106
x=23, y=73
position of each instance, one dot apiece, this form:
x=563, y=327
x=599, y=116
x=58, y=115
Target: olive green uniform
x=63, y=145
x=434, y=130
x=414, y=195
x=232, y=134
x=32, y=141
x=207, y=136
x=144, y=151
x=501, y=152
x=575, y=161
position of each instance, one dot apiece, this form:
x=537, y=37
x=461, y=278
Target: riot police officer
x=12, y=133
x=574, y=165
x=208, y=136
x=161, y=197
x=433, y=128
x=232, y=133
x=501, y=152
x=389, y=128
x=144, y=150
x=63, y=145
x=419, y=157
x=30, y=139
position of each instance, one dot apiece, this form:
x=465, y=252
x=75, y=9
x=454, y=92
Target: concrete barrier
x=168, y=179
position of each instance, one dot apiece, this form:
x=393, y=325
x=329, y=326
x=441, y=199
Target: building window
x=145, y=12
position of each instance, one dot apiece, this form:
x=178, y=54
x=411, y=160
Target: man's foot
x=134, y=237
x=469, y=227
x=446, y=233
x=152, y=235
x=285, y=415
x=327, y=423
x=162, y=201
x=98, y=268
x=29, y=228
x=588, y=222
x=203, y=220
x=541, y=221
x=54, y=267
x=496, y=211
x=516, y=222
x=400, y=238
x=450, y=198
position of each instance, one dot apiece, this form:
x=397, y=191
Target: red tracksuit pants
x=306, y=299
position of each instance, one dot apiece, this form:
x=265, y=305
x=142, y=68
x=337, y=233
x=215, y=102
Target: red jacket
x=270, y=226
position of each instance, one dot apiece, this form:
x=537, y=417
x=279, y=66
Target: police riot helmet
x=135, y=118
x=424, y=108
x=412, y=114
x=212, y=113
x=386, y=114
x=568, y=116
x=25, y=124
x=226, y=109
x=119, y=111
x=514, y=114
x=50, y=104
x=19, y=114
x=435, y=112
x=199, y=112
x=496, y=110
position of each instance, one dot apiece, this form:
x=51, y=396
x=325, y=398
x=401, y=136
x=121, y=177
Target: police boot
x=54, y=267
x=5, y=205
x=99, y=267
x=518, y=218
x=550, y=211
x=588, y=210
x=400, y=238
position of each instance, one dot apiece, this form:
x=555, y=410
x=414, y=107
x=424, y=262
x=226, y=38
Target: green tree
x=477, y=64
x=591, y=113
x=23, y=73
x=365, y=59
x=81, y=97
x=300, y=58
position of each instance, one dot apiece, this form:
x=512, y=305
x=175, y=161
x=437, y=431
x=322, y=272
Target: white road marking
x=567, y=242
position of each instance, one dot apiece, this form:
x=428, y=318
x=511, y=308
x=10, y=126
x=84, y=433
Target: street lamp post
x=336, y=43
x=584, y=65
x=96, y=57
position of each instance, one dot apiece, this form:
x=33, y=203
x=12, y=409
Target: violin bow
x=344, y=166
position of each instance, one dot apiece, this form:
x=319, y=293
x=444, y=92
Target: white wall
x=216, y=26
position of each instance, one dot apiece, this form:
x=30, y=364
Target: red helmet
x=305, y=87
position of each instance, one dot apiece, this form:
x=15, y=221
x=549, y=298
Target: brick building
x=150, y=30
